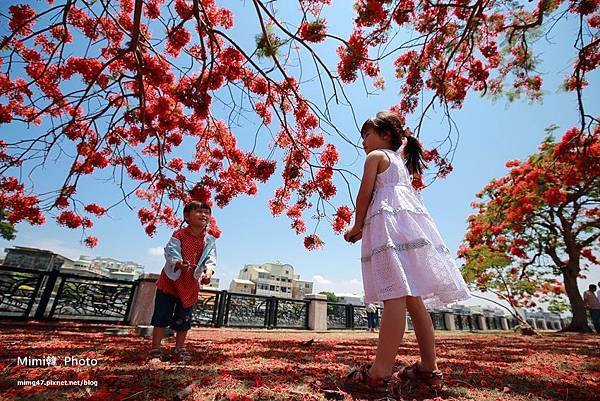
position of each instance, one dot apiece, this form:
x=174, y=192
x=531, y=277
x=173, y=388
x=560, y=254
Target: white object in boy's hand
x=205, y=278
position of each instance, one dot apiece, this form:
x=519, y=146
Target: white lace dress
x=402, y=251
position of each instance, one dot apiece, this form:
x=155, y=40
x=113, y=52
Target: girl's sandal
x=358, y=380
x=432, y=378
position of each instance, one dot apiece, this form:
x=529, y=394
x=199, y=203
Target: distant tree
x=330, y=296
x=7, y=230
x=537, y=224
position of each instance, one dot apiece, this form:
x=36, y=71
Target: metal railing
x=223, y=308
x=54, y=295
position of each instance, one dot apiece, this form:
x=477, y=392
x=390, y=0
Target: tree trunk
x=579, y=321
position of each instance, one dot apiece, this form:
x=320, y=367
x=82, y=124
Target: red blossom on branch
x=109, y=84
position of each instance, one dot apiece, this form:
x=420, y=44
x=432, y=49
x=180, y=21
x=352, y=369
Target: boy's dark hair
x=390, y=122
x=592, y=287
x=194, y=205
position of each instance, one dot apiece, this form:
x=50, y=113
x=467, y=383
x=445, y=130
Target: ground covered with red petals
x=246, y=365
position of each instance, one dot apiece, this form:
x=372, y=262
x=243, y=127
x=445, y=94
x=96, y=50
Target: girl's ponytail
x=413, y=154
x=391, y=122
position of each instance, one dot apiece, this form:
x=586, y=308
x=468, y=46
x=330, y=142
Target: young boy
x=190, y=255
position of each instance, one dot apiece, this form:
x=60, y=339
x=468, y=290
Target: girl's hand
x=353, y=234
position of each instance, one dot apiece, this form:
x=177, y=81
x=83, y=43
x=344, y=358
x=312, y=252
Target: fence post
x=532, y=323
x=134, y=288
x=61, y=287
x=221, y=318
x=41, y=308
x=350, y=316
x=272, y=313
x=142, y=300
x=317, y=312
x=449, y=319
x=481, y=322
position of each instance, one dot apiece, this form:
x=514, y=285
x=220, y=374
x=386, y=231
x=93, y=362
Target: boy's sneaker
x=155, y=355
x=181, y=355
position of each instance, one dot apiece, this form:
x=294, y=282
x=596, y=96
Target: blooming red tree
x=540, y=221
x=117, y=89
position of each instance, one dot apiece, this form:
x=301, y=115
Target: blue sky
x=490, y=134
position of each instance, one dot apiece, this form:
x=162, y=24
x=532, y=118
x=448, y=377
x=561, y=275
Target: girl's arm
x=365, y=192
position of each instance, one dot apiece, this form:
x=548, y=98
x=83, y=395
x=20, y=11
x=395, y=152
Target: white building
x=301, y=288
x=352, y=299
x=118, y=269
x=242, y=286
x=271, y=279
x=84, y=265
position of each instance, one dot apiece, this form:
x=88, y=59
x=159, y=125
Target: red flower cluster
x=89, y=68
x=370, y=12
x=312, y=242
x=90, y=242
x=443, y=167
x=73, y=220
x=22, y=19
x=314, y=31
x=314, y=6
x=17, y=206
x=95, y=209
x=176, y=40
x=343, y=217
x=329, y=156
x=354, y=57
x=184, y=9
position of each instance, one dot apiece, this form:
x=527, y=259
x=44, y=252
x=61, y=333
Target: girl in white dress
x=405, y=263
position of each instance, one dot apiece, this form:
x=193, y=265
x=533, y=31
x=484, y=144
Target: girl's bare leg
x=424, y=331
x=391, y=333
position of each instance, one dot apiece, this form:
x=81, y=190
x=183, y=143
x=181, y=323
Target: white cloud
x=351, y=286
x=156, y=251
x=321, y=280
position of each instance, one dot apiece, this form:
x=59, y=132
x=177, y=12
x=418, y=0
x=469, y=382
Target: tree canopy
x=113, y=89
x=539, y=222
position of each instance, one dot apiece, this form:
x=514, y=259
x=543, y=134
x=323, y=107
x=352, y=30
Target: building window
x=283, y=289
x=272, y=288
x=306, y=285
